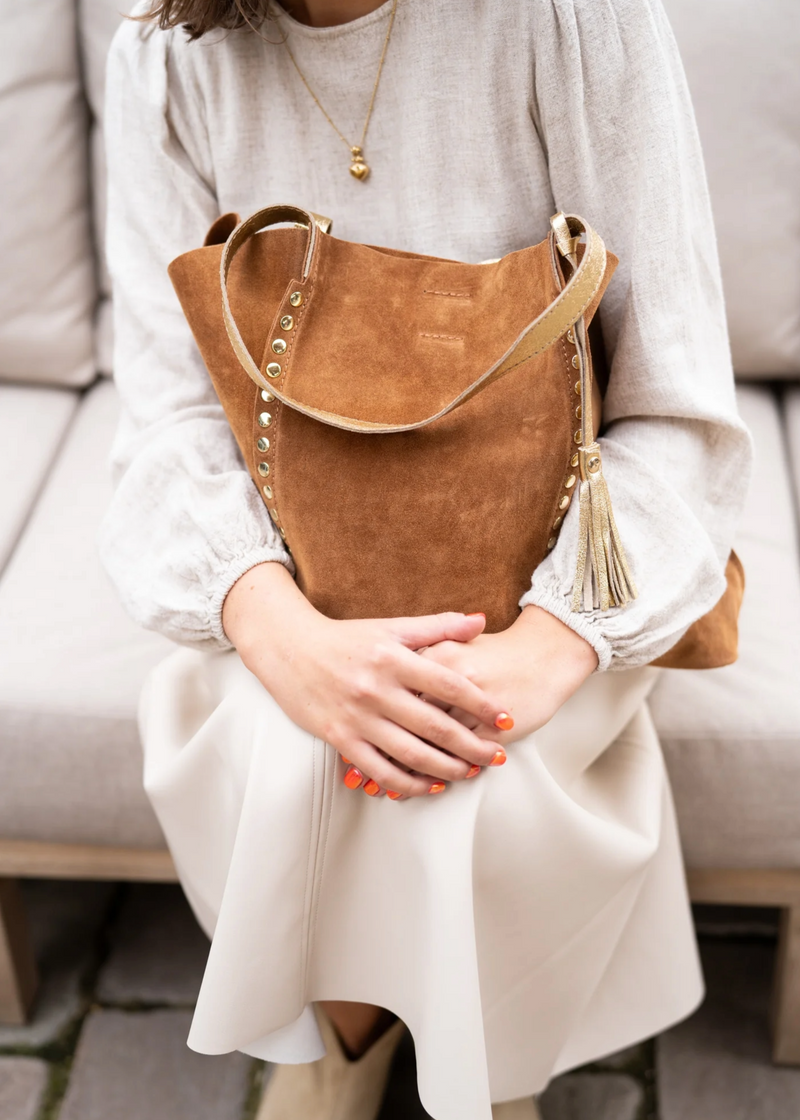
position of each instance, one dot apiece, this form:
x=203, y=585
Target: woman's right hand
x=355, y=684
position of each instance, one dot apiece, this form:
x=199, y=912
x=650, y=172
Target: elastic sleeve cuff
x=584, y=625
x=237, y=569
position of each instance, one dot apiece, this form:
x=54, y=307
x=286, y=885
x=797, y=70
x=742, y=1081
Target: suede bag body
x=450, y=513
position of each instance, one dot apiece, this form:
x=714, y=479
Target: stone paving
x=121, y=968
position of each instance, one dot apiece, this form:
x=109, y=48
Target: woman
x=532, y=916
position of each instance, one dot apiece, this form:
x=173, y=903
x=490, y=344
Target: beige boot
x=334, y=1088
x=523, y=1109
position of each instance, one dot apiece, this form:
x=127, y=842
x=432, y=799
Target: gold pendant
x=358, y=168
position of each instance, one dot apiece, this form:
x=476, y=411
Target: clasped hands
x=410, y=703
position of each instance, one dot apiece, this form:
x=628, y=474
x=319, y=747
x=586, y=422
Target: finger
x=429, y=629
x=415, y=755
x=465, y=718
x=432, y=725
x=421, y=674
x=370, y=764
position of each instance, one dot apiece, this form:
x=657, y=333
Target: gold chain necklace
x=359, y=168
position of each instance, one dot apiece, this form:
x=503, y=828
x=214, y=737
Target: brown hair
x=200, y=16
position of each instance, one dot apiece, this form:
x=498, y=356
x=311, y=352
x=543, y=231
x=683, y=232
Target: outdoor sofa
x=71, y=663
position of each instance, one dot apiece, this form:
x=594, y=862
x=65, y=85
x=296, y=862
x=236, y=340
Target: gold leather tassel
x=602, y=576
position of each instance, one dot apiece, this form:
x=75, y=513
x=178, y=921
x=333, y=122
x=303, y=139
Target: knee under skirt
x=523, y=923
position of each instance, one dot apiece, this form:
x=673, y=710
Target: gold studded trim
x=288, y=319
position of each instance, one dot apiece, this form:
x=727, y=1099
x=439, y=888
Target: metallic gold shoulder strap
x=565, y=310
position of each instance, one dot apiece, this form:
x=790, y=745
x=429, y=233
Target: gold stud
x=296, y=298
x=557, y=521
x=273, y=514
x=279, y=346
x=578, y=437
x=593, y=464
x=263, y=469
x=575, y=360
x=267, y=492
x=578, y=388
x=273, y=370
x=267, y=396
x=283, y=534
x=571, y=336
x=264, y=419
x=262, y=444
x=564, y=502
x=287, y=322
x=578, y=412
x=551, y=543
x=570, y=482
x=574, y=461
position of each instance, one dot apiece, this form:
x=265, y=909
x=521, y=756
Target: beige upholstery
x=97, y=22
x=33, y=421
x=47, y=282
x=742, y=59
x=732, y=736
x=71, y=663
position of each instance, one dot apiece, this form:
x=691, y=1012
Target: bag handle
x=565, y=310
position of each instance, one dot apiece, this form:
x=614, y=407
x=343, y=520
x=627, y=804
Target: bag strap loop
x=565, y=310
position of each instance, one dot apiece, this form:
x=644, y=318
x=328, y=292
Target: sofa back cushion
x=742, y=59
x=48, y=288
x=98, y=20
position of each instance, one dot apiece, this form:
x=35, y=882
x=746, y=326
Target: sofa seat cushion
x=731, y=736
x=33, y=421
x=72, y=663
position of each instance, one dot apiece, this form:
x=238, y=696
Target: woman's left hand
x=535, y=665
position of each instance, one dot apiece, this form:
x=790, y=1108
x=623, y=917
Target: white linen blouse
x=489, y=118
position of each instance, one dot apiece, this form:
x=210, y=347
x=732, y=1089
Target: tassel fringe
x=602, y=576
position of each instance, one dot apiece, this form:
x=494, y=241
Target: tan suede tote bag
x=418, y=427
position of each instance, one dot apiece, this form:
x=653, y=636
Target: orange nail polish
x=473, y=771
x=437, y=787
x=500, y=758
x=393, y=794
x=504, y=722
x=353, y=778
x=346, y=761
x=477, y=614
x=372, y=788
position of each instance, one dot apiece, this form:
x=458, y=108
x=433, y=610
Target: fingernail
x=499, y=759
x=473, y=770
x=372, y=788
x=437, y=787
x=477, y=614
x=393, y=794
x=353, y=778
x=346, y=761
x=504, y=722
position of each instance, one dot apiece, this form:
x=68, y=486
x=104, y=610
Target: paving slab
x=158, y=950
x=65, y=919
x=716, y=1065
x=592, y=1096
x=135, y=1065
x=22, y=1083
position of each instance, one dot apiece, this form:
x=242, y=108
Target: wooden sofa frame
x=22, y=859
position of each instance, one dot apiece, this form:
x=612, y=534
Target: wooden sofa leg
x=786, y=994
x=18, y=979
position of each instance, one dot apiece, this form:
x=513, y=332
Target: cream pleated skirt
x=522, y=923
